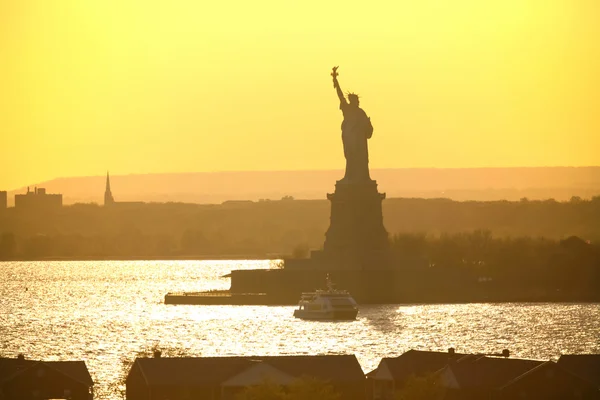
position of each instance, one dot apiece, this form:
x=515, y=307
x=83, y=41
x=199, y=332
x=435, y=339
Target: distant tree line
x=294, y=227
x=477, y=265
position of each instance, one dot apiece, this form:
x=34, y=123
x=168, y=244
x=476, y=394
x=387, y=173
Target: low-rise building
x=221, y=378
x=586, y=366
x=30, y=379
x=38, y=200
x=547, y=381
x=392, y=372
x=453, y=376
x=3, y=200
x=476, y=376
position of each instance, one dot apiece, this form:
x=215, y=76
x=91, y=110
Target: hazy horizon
x=460, y=184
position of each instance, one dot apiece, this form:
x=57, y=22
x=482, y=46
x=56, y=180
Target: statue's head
x=353, y=99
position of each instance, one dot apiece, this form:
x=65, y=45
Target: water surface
x=105, y=311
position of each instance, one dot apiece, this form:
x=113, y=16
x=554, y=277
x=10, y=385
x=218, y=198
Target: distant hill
x=560, y=183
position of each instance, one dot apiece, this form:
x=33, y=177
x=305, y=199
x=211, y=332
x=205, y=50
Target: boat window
x=341, y=302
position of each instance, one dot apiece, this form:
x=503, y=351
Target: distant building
x=3, y=200
x=109, y=200
x=38, y=200
x=31, y=379
x=108, y=197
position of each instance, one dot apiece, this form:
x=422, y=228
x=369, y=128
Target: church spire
x=108, y=198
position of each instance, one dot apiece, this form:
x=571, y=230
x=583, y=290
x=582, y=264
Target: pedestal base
x=356, y=238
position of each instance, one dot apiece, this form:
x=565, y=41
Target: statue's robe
x=356, y=129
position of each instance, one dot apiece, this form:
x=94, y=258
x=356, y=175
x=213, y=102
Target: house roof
x=586, y=366
x=10, y=366
x=257, y=373
x=551, y=378
x=489, y=372
x=417, y=362
x=200, y=371
x=527, y=374
x=75, y=370
x=371, y=374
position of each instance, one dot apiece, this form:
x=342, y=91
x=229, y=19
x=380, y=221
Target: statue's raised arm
x=336, y=85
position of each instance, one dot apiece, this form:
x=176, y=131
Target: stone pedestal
x=356, y=238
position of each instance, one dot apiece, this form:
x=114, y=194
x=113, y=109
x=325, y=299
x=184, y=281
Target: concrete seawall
x=284, y=287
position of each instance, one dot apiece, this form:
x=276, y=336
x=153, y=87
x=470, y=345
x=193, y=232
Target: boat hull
x=334, y=315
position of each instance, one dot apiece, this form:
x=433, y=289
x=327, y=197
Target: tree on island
x=8, y=245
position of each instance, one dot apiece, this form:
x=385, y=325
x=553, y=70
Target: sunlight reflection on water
x=102, y=311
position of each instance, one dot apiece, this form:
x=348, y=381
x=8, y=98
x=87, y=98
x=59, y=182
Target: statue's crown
x=352, y=95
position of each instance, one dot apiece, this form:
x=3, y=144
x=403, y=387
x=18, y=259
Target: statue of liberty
x=356, y=130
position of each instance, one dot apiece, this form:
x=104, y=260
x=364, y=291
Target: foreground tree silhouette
x=8, y=245
x=421, y=388
x=311, y=388
x=118, y=388
x=267, y=390
x=305, y=388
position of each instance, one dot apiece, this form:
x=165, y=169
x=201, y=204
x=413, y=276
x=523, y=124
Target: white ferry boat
x=329, y=304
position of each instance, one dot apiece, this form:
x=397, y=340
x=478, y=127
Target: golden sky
x=172, y=86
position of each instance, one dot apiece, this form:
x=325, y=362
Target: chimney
x=157, y=353
x=505, y=353
x=451, y=352
x=21, y=357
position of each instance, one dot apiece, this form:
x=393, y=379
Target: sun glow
x=138, y=86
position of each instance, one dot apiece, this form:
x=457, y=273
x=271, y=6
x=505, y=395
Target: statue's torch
x=335, y=74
